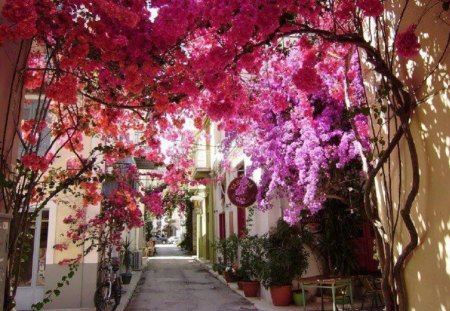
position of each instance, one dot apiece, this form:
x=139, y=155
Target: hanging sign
x=242, y=191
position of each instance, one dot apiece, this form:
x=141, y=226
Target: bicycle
x=109, y=291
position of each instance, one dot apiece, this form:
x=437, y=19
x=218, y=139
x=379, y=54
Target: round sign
x=242, y=191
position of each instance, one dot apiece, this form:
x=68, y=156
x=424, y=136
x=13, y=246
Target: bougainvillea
x=154, y=203
x=284, y=74
x=238, y=79
x=406, y=43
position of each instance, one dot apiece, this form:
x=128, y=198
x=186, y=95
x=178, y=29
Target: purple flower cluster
x=303, y=133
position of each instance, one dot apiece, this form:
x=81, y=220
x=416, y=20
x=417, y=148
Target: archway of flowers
x=284, y=76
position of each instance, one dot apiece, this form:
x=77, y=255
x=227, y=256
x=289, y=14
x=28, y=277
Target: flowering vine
x=284, y=74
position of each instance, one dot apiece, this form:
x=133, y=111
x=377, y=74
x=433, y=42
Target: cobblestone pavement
x=175, y=282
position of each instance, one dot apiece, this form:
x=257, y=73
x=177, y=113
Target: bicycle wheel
x=116, y=293
x=103, y=299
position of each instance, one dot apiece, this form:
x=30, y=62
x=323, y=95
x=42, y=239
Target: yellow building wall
x=80, y=292
x=427, y=273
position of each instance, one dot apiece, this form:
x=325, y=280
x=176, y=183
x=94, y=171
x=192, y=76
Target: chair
x=150, y=249
x=343, y=297
x=372, y=289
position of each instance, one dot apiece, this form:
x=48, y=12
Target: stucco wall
x=428, y=271
x=12, y=59
x=80, y=292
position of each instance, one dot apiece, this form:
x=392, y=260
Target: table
x=326, y=283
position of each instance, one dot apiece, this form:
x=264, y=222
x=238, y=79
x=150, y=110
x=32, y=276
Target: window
x=34, y=266
x=29, y=112
x=240, y=170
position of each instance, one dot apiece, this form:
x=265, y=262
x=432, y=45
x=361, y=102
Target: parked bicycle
x=109, y=291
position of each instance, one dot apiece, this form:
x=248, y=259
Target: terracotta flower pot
x=251, y=288
x=240, y=285
x=281, y=295
x=228, y=277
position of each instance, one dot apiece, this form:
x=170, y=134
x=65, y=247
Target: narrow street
x=175, y=282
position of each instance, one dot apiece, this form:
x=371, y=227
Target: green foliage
x=187, y=243
x=148, y=226
x=4, y=183
x=126, y=254
x=219, y=267
x=253, y=252
x=286, y=257
x=339, y=227
x=227, y=249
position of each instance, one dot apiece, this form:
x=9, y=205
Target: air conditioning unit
x=136, y=262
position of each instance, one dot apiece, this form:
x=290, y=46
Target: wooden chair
x=150, y=249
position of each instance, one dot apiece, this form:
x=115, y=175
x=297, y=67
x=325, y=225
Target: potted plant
x=126, y=276
x=219, y=266
x=252, y=264
x=286, y=258
x=230, y=274
x=239, y=276
x=227, y=252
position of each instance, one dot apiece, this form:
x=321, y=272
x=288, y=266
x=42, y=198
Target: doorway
x=31, y=284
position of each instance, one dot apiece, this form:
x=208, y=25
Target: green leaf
x=57, y=292
x=365, y=111
x=4, y=182
x=60, y=284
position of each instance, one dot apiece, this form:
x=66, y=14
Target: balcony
x=202, y=161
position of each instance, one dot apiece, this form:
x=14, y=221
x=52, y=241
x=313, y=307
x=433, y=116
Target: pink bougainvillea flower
x=64, y=90
x=372, y=8
x=307, y=80
x=407, y=43
x=30, y=132
x=35, y=162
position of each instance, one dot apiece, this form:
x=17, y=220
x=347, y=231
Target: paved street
x=174, y=282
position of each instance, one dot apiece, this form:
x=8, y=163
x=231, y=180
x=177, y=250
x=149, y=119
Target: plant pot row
x=275, y=259
x=281, y=295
